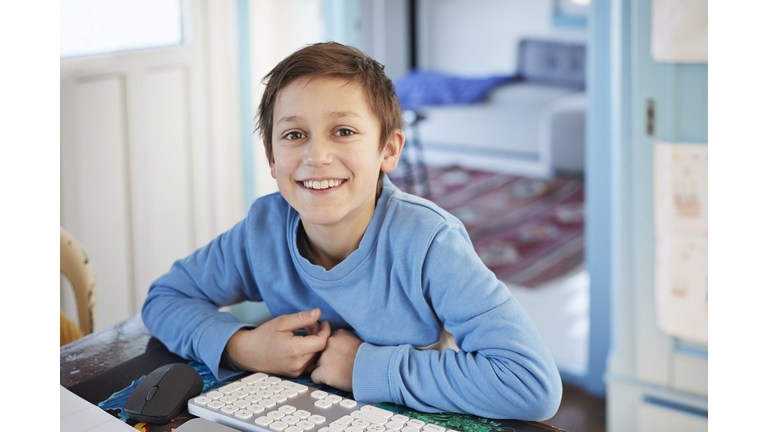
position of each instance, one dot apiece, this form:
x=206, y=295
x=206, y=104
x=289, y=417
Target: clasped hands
x=274, y=348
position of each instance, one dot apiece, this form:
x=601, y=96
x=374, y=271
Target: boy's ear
x=270, y=159
x=392, y=151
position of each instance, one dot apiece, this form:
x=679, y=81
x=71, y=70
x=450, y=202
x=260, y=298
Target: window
x=92, y=27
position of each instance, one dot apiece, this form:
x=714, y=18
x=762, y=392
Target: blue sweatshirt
x=414, y=274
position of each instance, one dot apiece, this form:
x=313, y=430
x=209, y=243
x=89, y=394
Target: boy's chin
x=327, y=219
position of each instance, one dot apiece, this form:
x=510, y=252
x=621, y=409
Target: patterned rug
x=528, y=231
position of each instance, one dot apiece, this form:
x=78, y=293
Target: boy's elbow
x=538, y=397
x=548, y=401
x=545, y=401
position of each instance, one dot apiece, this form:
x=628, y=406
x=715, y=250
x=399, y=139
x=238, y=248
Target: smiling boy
x=381, y=281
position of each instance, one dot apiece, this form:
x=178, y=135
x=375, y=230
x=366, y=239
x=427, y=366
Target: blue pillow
x=421, y=88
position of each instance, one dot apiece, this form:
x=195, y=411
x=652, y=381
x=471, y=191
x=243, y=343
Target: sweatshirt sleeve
x=182, y=306
x=503, y=369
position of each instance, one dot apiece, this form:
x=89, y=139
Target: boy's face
x=326, y=157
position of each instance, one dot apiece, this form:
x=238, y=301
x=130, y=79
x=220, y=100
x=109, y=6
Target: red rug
x=528, y=231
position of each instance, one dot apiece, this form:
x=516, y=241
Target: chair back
x=76, y=266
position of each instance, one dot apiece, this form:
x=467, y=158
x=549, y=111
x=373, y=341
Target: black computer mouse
x=162, y=394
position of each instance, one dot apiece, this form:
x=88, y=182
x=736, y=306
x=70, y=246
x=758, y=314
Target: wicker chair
x=77, y=268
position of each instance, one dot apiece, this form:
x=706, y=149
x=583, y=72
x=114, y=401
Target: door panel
x=672, y=98
x=149, y=171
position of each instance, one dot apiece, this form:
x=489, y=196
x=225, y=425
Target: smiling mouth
x=322, y=184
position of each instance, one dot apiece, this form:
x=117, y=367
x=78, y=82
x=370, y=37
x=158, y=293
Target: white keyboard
x=263, y=403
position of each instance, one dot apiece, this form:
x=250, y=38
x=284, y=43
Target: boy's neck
x=331, y=246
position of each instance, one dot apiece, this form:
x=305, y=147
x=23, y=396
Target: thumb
x=298, y=320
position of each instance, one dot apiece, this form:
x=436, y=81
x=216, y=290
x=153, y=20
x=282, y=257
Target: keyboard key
x=262, y=384
x=278, y=425
x=255, y=408
x=216, y=404
x=318, y=394
x=202, y=400
x=302, y=414
x=316, y=419
x=345, y=420
x=338, y=426
x=229, y=409
x=251, y=389
x=394, y=425
x=353, y=429
x=269, y=403
x=228, y=399
x=409, y=429
x=277, y=415
x=229, y=388
x=289, y=392
x=432, y=428
x=294, y=386
x=288, y=409
x=416, y=423
x=375, y=428
x=272, y=380
x=264, y=393
x=306, y=425
x=291, y=420
x=322, y=403
x=399, y=418
x=349, y=403
x=240, y=394
x=360, y=423
x=264, y=420
x=294, y=429
x=215, y=395
x=326, y=429
x=377, y=411
x=254, y=378
x=244, y=414
x=275, y=388
x=253, y=398
x=333, y=398
x=241, y=403
x=279, y=397
x=367, y=416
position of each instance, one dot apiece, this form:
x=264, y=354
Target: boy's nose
x=318, y=152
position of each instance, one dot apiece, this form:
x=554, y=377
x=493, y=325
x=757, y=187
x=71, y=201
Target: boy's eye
x=345, y=132
x=294, y=135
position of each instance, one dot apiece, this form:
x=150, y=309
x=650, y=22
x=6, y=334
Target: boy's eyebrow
x=334, y=114
x=339, y=114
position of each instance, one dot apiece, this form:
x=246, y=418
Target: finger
x=298, y=320
x=314, y=343
x=312, y=329
x=311, y=365
x=325, y=330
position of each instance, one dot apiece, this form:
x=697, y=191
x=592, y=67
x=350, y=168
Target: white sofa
x=531, y=126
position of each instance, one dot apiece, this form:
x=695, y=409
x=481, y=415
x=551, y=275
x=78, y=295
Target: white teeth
x=324, y=184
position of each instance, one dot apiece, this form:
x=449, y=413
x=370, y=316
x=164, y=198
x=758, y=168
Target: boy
x=393, y=276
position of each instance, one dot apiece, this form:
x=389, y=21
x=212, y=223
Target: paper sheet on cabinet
x=679, y=31
x=680, y=201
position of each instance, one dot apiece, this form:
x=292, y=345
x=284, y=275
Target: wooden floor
x=579, y=412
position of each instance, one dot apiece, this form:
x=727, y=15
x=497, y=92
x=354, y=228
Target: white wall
x=477, y=38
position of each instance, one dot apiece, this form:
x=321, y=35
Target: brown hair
x=331, y=59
